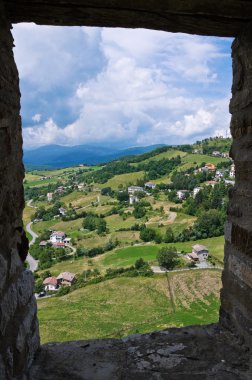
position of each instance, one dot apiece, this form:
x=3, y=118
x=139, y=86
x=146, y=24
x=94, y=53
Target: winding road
x=33, y=264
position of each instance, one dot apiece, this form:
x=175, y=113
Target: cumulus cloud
x=147, y=87
x=36, y=117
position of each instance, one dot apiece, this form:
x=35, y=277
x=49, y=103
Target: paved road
x=33, y=264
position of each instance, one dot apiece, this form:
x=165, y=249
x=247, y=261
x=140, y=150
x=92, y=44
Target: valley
x=112, y=216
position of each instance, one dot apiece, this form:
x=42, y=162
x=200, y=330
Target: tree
x=101, y=226
x=147, y=234
x=167, y=257
x=140, y=263
x=169, y=235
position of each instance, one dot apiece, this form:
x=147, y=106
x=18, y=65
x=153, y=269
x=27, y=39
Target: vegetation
x=140, y=305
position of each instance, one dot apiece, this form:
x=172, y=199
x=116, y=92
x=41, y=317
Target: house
x=219, y=174
x=150, y=185
x=133, y=199
x=134, y=189
x=49, y=197
x=210, y=167
x=200, y=251
x=181, y=194
x=50, y=283
x=67, y=240
x=62, y=211
x=216, y=153
x=57, y=237
x=43, y=243
x=60, y=190
x=59, y=245
x=232, y=171
x=80, y=186
x=66, y=278
x=196, y=190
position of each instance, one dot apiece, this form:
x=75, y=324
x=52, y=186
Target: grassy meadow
x=124, y=306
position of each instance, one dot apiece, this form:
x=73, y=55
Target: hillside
x=125, y=306
x=118, y=219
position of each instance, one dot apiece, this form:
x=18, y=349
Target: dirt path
x=161, y=220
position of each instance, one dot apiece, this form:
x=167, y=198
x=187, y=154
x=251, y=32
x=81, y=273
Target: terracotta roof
x=66, y=276
x=59, y=244
x=50, y=281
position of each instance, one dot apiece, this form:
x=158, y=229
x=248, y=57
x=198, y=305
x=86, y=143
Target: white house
x=62, y=211
x=50, y=283
x=199, y=251
x=232, y=171
x=57, y=237
x=216, y=153
x=181, y=194
x=49, y=197
x=134, y=189
x=133, y=199
x=196, y=190
x=150, y=185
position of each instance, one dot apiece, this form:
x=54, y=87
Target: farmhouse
x=196, y=190
x=57, y=237
x=50, y=283
x=134, y=189
x=200, y=251
x=66, y=278
x=181, y=194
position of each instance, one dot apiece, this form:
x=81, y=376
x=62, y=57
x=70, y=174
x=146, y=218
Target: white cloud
x=151, y=86
x=36, y=117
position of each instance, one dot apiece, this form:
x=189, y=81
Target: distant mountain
x=57, y=156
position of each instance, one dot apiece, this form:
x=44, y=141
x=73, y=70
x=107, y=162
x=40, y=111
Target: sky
x=121, y=87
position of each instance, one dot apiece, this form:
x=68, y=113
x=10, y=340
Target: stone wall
x=236, y=296
x=18, y=323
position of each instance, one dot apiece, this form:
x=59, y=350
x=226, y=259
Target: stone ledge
x=197, y=352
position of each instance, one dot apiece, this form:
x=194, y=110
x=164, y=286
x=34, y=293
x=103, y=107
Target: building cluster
x=63, y=279
x=58, y=239
x=59, y=191
x=134, y=191
x=199, y=253
x=219, y=174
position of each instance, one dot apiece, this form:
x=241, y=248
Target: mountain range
x=57, y=156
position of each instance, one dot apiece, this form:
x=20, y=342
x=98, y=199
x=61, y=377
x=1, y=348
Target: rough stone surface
x=193, y=353
x=209, y=17
x=190, y=353
x=18, y=326
x=236, y=295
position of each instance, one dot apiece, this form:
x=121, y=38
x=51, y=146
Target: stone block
x=3, y=272
x=25, y=287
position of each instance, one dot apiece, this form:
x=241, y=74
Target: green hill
x=125, y=306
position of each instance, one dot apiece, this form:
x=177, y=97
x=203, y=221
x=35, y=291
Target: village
x=159, y=214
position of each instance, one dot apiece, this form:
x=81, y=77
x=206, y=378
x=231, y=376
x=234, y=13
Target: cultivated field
x=125, y=306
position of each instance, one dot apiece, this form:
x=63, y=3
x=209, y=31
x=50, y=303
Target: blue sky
x=120, y=87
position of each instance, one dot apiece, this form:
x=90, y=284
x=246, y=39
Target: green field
x=127, y=256
x=124, y=257
x=169, y=154
x=193, y=160
x=124, y=306
x=122, y=179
